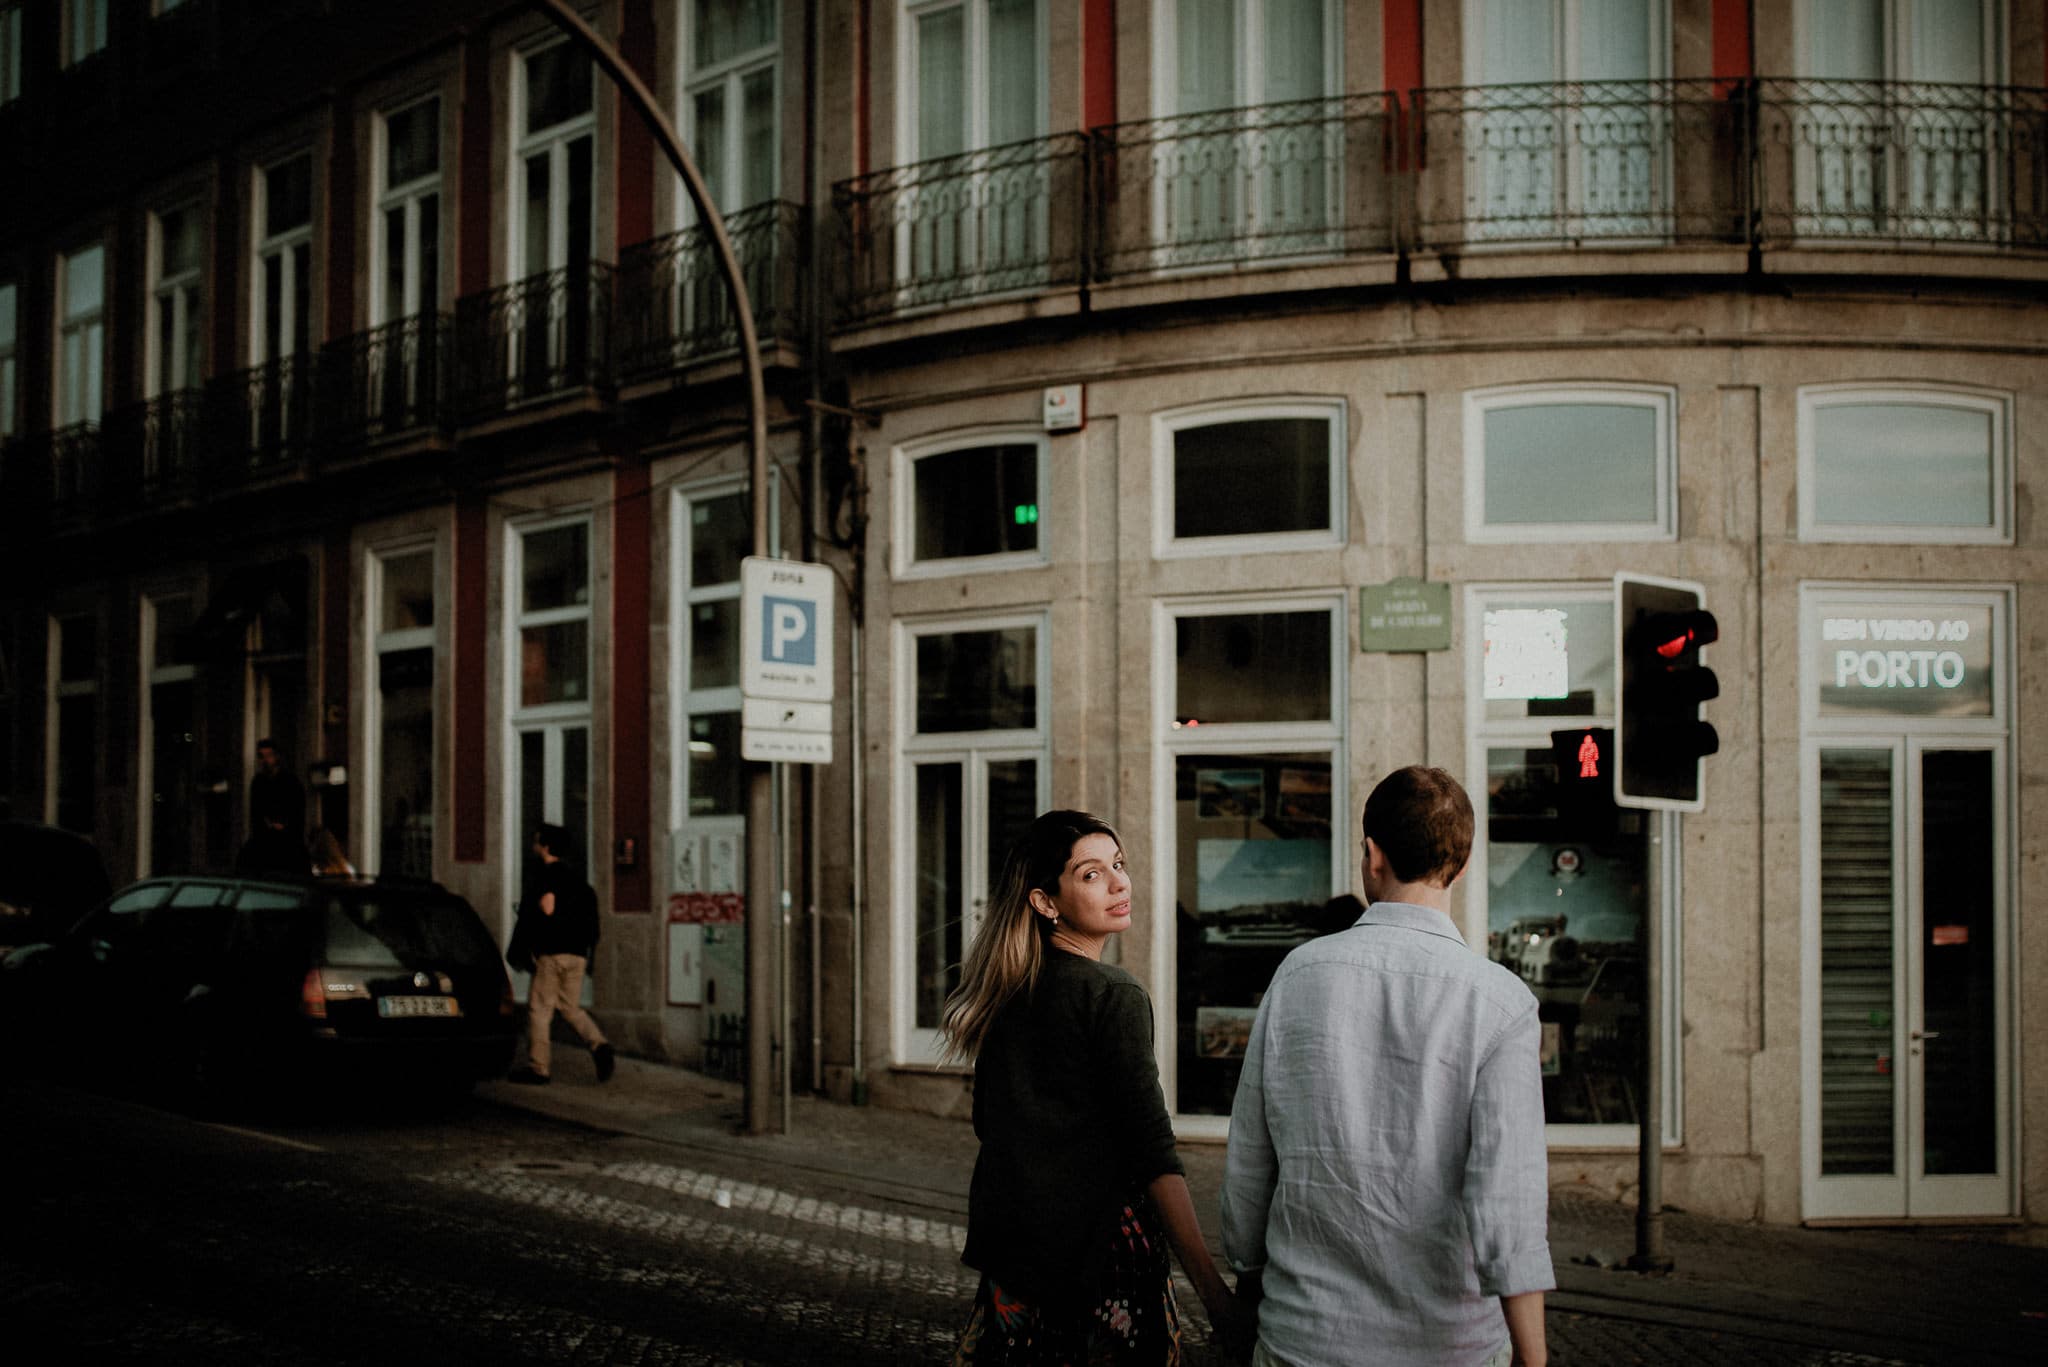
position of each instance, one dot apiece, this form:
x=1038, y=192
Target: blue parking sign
x=789, y=630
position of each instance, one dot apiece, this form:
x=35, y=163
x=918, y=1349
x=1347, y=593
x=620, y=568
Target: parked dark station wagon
x=212, y=987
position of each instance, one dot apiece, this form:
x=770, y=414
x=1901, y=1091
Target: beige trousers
x=557, y=986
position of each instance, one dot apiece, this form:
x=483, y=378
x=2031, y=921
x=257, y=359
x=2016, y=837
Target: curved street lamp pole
x=761, y=911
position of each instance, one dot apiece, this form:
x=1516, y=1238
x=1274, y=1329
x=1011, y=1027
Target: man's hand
x=1524, y=1314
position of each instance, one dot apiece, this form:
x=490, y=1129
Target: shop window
x=1573, y=463
x=714, y=534
x=551, y=680
x=74, y=723
x=170, y=733
x=972, y=505
x=975, y=764
x=1251, y=477
x=1252, y=667
x=1561, y=886
x=1880, y=464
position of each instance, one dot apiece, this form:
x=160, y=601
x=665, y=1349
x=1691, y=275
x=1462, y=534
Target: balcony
x=545, y=337
x=983, y=224
x=1722, y=176
x=263, y=420
x=73, y=455
x=154, y=449
x=386, y=384
x=674, y=309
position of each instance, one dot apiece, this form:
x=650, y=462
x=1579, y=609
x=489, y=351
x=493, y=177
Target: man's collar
x=1409, y=916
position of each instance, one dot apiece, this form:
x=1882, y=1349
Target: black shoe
x=602, y=1057
x=529, y=1077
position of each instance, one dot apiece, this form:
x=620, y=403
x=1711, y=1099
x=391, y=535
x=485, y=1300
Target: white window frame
x=380, y=642
x=904, y=505
x=974, y=750
x=70, y=405
x=10, y=52
x=10, y=369
x=153, y=674
x=1173, y=740
x=57, y=689
x=181, y=295
x=1996, y=404
x=1662, y=838
x=974, y=42
x=1907, y=737
x=281, y=245
x=687, y=702
x=1898, y=40
x=406, y=198
x=1661, y=400
x=1165, y=425
x=553, y=140
x=1249, y=76
x=85, y=30
x=728, y=76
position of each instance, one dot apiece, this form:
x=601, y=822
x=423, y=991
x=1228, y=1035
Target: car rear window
x=405, y=932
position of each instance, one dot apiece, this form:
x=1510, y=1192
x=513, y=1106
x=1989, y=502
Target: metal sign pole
x=762, y=913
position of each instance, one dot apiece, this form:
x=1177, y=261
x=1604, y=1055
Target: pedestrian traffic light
x=1584, y=759
x=1659, y=627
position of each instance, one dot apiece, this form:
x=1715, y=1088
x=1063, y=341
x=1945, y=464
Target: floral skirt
x=1130, y=1320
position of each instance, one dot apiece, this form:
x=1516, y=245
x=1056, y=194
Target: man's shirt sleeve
x=1507, y=1172
x=1250, y=1171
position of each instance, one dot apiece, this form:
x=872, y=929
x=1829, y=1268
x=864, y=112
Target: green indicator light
x=1025, y=513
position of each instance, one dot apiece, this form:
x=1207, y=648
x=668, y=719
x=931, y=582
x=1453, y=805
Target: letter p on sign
x=789, y=627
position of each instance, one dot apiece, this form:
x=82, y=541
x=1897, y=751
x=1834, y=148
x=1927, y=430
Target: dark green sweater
x=1071, y=1121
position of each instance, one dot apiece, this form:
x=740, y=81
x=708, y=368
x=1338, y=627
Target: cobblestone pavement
x=516, y=1234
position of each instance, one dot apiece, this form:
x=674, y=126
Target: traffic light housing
x=1660, y=739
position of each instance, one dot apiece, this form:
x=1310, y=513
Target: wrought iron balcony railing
x=674, y=308
x=965, y=227
x=547, y=336
x=1616, y=162
x=1899, y=164
x=263, y=419
x=1758, y=164
x=153, y=449
x=1311, y=178
x=76, y=469
x=387, y=382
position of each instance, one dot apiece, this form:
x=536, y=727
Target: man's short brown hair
x=1422, y=822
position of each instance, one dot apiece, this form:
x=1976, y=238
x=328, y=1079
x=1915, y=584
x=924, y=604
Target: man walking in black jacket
x=558, y=928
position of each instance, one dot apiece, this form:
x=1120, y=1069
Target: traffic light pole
x=1650, y=1255
x=763, y=913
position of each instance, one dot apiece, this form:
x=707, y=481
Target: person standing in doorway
x=558, y=926
x=277, y=817
x=1386, y=1182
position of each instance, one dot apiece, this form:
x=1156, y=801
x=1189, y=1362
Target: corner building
x=1121, y=357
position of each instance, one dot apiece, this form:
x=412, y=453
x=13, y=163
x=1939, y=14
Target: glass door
x=1912, y=1038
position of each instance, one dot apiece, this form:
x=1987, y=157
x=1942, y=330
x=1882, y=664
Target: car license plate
x=418, y=1006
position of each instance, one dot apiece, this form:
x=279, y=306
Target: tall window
x=10, y=420
x=176, y=299
x=714, y=533
x=554, y=224
x=10, y=53
x=1252, y=755
x=85, y=29
x=1571, y=463
x=1898, y=144
x=170, y=733
x=1563, y=891
x=729, y=99
x=81, y=336
x=401, y=584
x=975, y=765
x=72, y=760
x=551, y=678
x=1250, y=476
x=408, y=271
x=1878, y=463
x=284, y=259
x=1567, y=138
x=971, y=503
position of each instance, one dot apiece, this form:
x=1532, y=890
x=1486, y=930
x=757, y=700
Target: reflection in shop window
x=1273, y=472
x=1253, y=840
x=977, y=680
x=1566, y=892
x=975, y=501
x=715, y=764
x=1252, y=667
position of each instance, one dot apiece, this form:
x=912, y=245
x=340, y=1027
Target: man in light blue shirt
x=1387, y=1185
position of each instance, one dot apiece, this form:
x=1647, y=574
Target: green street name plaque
x=1404, y=614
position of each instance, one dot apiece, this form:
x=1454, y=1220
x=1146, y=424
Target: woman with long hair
x=1077, y=1191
